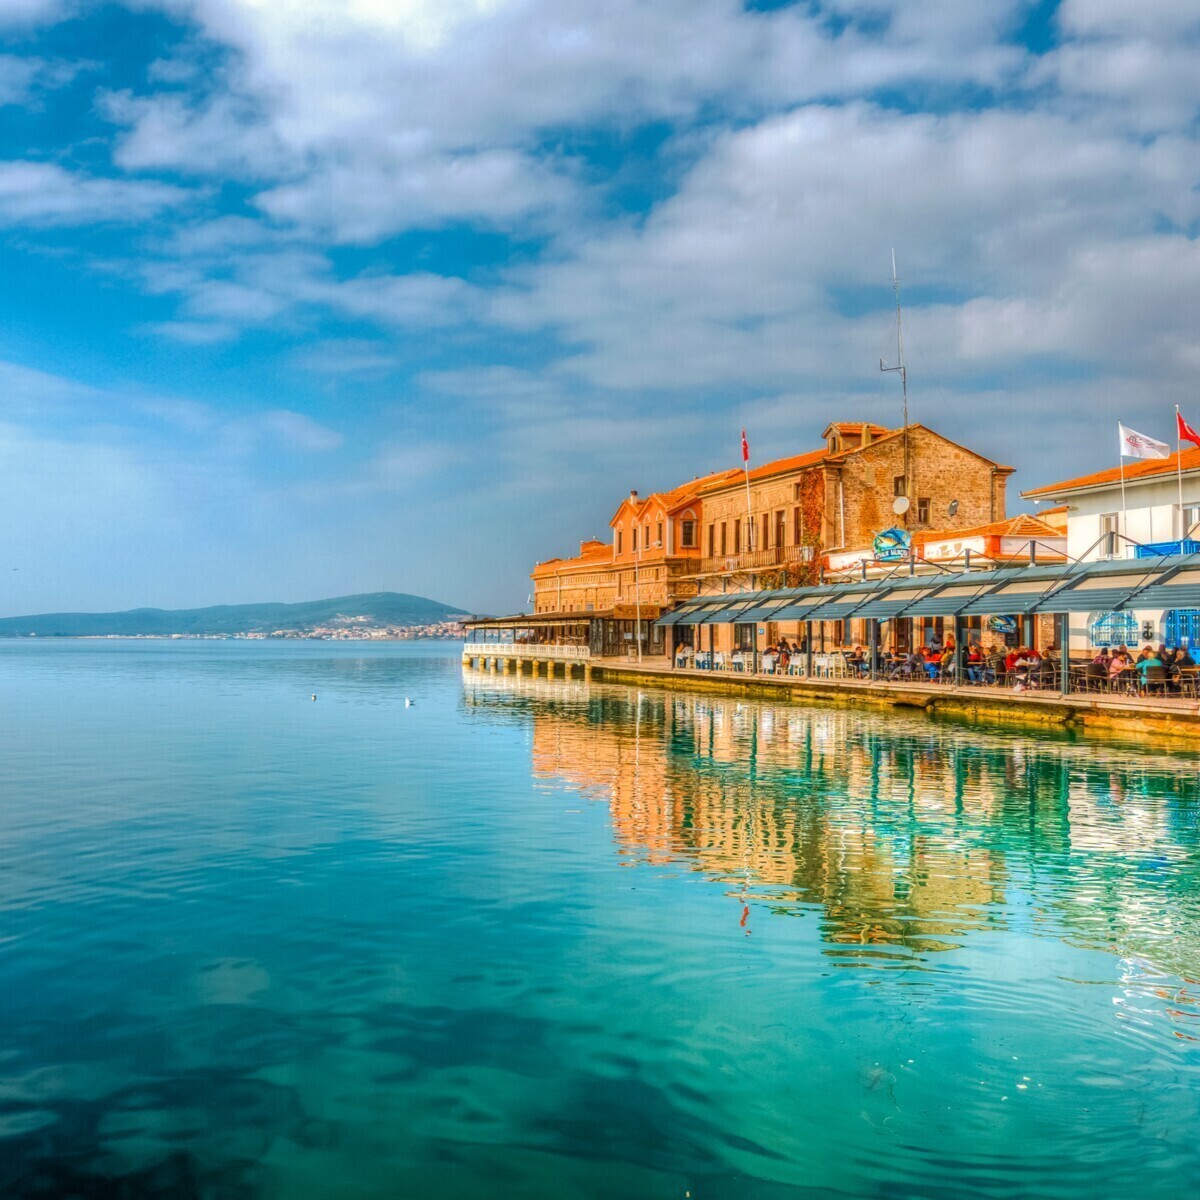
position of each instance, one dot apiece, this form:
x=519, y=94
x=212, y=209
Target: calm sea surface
x=549, y=939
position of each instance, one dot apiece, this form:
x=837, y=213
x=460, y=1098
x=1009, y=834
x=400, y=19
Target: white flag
x=1138, y=445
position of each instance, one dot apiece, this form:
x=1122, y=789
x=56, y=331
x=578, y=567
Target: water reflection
x=542, y=939
x=903, y=834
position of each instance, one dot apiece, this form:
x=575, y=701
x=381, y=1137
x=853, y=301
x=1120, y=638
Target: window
x=712, y=539
x=658, y=533
x=618, y=541
x=780, y=527
x=1114, y=629
x=635, y=533
x=899, y=487
x=724, y=537
x=687, y=534
x=922, y=510
x=646, y=536
x=766, y=531
x=737, y=537
x=1108, y=533
x=743, y=637
x=798, y=526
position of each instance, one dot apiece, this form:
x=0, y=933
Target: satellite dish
x=900, y=505
x=952, y=508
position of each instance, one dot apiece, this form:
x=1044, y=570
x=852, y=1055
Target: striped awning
x=840, y=605
x=891, y=603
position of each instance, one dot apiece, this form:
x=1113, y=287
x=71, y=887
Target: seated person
x=1119, y=663
x=974, y=663
x=946, y=662
x=1147, y=659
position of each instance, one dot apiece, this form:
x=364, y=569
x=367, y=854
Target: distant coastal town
x=355, y=630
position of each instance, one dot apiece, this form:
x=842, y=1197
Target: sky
x=302, y=298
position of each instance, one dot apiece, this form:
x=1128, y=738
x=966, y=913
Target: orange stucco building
x=716, y=534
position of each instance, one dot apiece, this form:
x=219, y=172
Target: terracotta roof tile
x=1143, y=469
x=1022, y=525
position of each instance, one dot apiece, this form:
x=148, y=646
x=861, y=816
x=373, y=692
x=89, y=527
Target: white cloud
x=1165, y=18
x=378, y=117
x=733, y=279
x=295, y=431
x=40, y=193
x=16, y=14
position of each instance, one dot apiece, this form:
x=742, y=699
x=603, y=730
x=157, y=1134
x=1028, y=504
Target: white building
x=1143, y=519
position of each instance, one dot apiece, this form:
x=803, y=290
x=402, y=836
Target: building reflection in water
x=903, y=834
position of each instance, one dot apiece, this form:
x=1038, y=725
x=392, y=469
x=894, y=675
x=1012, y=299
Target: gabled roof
x=1022, y=525
x=854, y=427
x=813, y=458
x=678, y=497
x=1147, y=468
x=596, y=553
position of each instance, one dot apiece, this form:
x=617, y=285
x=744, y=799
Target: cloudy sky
x=306, y=297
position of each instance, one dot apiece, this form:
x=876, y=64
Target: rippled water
x=537, y=938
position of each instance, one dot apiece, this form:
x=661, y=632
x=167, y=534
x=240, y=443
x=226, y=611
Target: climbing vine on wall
x=812, y=512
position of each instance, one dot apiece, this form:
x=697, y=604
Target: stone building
x=713, y=534
x=804, y=509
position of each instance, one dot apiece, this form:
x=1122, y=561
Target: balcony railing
x=524, y=650
x=755, y=560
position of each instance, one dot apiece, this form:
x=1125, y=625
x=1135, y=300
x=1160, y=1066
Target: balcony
x=526, y=650
x=754, y=560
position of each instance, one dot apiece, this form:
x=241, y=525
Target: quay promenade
x=1159, y=715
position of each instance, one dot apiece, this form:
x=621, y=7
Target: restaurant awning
x=841, y=605
x=1112, y=585
x=534, y=620
x=890, y=603
x=1017, y=593
x=1180, y=591
x=948, y=599
x=728, y=614
x=770, y=611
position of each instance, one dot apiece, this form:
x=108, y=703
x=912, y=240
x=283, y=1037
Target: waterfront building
x=804, y=509
x=777, y=525
x=1154, y=510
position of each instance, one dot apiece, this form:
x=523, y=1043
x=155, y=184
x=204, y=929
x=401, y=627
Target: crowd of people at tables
x=1021, y=667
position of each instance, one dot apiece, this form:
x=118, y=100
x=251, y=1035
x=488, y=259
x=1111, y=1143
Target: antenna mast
x=903, y=383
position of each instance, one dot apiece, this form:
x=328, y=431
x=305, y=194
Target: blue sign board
x=892, y=545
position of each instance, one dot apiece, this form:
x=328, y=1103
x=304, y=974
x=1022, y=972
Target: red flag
x=746, y=446
x=1185, y=431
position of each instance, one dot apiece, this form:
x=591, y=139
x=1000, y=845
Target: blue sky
x=303, y=298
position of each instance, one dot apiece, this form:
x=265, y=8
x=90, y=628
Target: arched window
x=1114, y=629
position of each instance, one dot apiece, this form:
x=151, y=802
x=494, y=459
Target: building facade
x=1149, y=509
x=780, y=524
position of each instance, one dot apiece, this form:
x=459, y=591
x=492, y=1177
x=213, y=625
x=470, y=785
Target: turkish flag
x=1185, y=431
x=746, y=446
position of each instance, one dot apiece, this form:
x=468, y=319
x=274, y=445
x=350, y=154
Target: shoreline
x=1178, y=720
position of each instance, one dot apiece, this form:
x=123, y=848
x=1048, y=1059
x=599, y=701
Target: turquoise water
x=535, y=938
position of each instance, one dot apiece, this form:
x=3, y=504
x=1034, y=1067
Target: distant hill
x=373, y=609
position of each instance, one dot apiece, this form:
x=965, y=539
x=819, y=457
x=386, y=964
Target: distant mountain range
x=375, y=609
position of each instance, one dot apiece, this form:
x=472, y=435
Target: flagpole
x=749, y=516
x=749, y=513
x=1179, y=473
x=1121, y=460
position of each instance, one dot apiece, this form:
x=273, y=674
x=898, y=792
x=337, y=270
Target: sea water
x=546, y=938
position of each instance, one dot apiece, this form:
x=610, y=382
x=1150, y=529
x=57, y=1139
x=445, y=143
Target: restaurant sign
x=891, y=545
